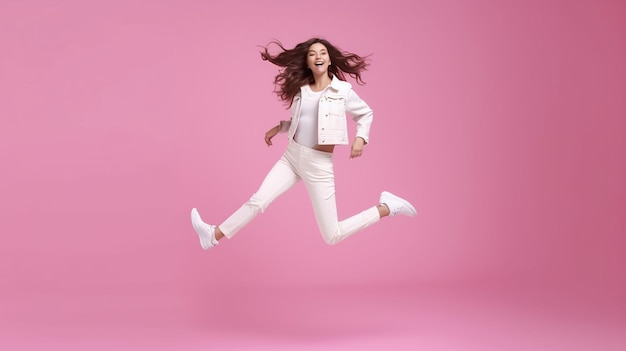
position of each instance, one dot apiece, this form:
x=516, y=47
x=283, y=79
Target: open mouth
x=319, y=63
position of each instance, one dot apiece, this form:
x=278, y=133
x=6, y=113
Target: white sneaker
x=397, y=205
x=205, y=232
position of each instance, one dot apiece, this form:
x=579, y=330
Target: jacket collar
x=336, y=84
x=339, y=85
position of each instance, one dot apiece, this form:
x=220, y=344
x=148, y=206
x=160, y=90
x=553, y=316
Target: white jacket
x=338, y=99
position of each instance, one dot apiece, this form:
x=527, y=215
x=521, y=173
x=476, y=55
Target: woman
x=312, y=82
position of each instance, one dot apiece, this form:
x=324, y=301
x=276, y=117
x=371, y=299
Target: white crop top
x=306, y=133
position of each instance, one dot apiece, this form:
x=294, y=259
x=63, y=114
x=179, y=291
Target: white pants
x=315, y=169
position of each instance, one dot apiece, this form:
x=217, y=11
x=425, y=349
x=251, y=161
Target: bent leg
x=333, y=230
x=279, y=179
x=320, y=183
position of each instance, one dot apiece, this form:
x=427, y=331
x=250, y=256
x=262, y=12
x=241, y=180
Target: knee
x=331, y=242
x=331, y=237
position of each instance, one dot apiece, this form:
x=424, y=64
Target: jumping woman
x=312, y=82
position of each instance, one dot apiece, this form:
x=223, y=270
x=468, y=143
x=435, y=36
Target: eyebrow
x=320, y=50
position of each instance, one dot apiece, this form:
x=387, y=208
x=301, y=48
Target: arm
x=270, y=134
x=363, y=115
x=282, y=127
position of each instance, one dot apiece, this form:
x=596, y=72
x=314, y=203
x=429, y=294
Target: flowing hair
x=294, y=72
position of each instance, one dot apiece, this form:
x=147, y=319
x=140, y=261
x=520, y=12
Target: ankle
x=383, y=210
x=218, y=233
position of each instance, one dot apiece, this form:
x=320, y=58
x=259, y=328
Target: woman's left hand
x=357, y=147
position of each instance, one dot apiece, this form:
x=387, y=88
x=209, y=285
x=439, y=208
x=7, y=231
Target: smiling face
x=318, y=59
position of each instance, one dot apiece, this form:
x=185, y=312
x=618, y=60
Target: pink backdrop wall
x=504, y=123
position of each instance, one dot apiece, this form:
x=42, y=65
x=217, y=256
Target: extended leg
x=279, y=179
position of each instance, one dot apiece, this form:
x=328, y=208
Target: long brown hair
x=294, y=72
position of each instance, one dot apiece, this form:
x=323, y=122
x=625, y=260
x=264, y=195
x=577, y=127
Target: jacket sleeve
x=284, y=126
x=361, y=113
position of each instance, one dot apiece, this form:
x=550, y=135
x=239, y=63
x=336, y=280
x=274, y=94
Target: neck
x=321, y=82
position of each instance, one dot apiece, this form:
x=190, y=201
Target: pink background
x=504, y=122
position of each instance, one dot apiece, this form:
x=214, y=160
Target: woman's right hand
x=270, y=134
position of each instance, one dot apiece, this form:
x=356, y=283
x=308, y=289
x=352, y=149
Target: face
x=317, y=58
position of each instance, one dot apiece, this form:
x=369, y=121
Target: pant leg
x=279, y=179
x=318, y=176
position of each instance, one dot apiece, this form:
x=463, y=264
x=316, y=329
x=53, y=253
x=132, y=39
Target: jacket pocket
x=336, y=105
